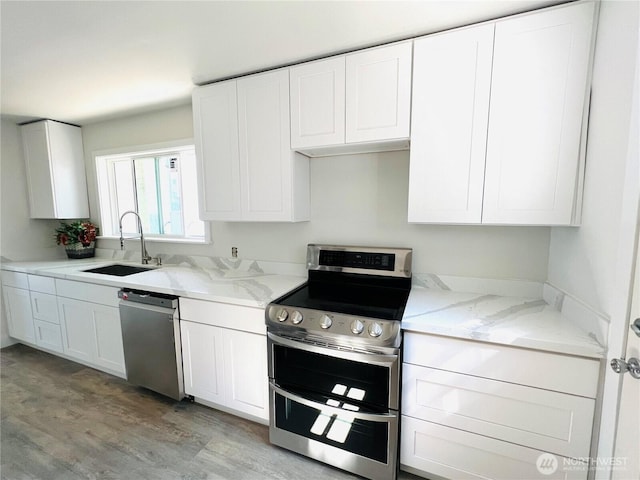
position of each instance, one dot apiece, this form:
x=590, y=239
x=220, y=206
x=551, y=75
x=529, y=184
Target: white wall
x=582, y=261
x=355, y=199
x=20, y=237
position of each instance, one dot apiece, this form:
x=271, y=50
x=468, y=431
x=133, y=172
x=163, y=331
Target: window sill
x=160, y=240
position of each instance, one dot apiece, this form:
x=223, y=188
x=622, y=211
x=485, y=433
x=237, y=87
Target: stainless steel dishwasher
x=151, y=340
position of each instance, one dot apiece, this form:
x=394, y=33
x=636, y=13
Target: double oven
x=334, y=348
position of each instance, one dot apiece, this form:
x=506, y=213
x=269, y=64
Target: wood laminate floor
x=63, y=421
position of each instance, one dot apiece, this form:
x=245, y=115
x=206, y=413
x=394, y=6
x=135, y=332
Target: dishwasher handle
x=126, y=306
x=131, y=296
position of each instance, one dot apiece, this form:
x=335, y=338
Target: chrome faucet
x=143, y=248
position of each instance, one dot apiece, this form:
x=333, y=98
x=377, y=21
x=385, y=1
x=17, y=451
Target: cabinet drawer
x=237, y=317
x=541, y=419
x=44, y=307
x=438, y=450
x=562, y=373
x=88, y=292
x=42, y=284
x=15, y=279
x=48, y=335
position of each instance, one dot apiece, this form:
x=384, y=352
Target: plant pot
x=77, y=250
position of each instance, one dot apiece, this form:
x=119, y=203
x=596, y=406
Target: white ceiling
x=86, y=61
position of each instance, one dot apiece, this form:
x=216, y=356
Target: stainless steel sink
x=118, y=270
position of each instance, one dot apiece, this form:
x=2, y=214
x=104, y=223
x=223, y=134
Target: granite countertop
x=506, y=320
x=216, y=280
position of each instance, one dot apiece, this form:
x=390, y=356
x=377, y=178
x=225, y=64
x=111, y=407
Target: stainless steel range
x=334, y=359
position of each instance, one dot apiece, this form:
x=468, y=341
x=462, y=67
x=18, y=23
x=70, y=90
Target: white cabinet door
x=378, y=93
x=215, y=120
x=202, y=361
x=245, y=356
x=54, y=159
x=17, y=303
x=109, y=348
x=78, y=330
x=443, y=452
x=449, y=114
x=48, y=335
x=246, y=167
x=226, y=367
x=265, y=152
x=45, y=307
x=532, y=417
x=91, y=333
x=539, y=88
x=318, y=103
x=45, y=318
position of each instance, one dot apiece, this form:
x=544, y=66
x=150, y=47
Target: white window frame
x=106, y=188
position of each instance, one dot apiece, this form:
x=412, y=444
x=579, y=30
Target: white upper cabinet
x=317, y=103
x=523, y=165
x=274, y=180
x=451, y=87
x=54, y=160
x=352, y=103
x=248, y=171
x=215, y=114
x=538, y=97
x=378, y=98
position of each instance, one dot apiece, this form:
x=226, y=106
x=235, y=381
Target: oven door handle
x=373, y=358
x=369, y=417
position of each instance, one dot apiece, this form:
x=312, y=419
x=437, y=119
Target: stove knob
x=296, y=317
x=282, y=315
x=357, y=327
x=325, y=321
x=375, y=329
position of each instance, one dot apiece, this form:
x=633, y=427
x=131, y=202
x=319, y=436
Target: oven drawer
x=528, y=416
x=333, y=430
x=433, y=449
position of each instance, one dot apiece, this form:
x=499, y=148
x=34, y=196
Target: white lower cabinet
x=91, y=332
x=245, y=372
x=17, y=304
x=224, y=366
x=44, y=306
x=46, y=321
x=431, y=449
x=202, y=361
x=463, y=418
x=48, y=335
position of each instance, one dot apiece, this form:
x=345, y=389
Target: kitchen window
x=159, y=184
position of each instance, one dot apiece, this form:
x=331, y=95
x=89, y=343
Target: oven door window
x=366, y=438
x=358, y=383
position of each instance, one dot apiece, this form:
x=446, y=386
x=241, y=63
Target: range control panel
x=359, y=329
x=367, y=260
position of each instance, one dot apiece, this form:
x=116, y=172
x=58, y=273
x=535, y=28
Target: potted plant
x=78, y=238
